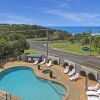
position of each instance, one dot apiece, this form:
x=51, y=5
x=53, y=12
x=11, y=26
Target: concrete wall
x=98, y=75
x=88, y=70
x=70, y=62
x=78, y=67
x=54, y=58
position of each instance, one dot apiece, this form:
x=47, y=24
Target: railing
x=7, y=96
x=2, y=97
x=6, y=59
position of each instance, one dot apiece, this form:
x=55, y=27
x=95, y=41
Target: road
x=89, y=61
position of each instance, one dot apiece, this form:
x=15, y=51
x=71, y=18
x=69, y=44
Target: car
x=85, y=49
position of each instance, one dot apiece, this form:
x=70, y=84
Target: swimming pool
x=22, y=82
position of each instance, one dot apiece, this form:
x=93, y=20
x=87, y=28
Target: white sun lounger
x=43, y=62
x=49, y=64
x=74, y=77
x=95, y=87
x=93, y=97
x=71, y=72
x=36, y=62
x=66, y=69
x=97, y=92
x=92, y=93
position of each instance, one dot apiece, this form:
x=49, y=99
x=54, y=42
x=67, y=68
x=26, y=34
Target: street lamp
x=90, y=42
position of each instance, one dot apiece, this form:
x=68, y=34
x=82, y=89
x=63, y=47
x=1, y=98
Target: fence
x=6, y=59
x=7, y=96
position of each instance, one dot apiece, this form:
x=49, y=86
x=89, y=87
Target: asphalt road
x=89, y=61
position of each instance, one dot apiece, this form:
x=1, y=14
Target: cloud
x=76, y=17
x=64, y=5
x=12, y=18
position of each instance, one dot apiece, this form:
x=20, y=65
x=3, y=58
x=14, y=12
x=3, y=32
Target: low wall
x=88, y=70
x=98, y=76
x=54, y=58
x=70, y=62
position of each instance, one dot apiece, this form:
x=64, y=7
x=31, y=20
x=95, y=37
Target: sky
x=51, y=12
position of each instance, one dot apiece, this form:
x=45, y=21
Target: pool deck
x=75, y=89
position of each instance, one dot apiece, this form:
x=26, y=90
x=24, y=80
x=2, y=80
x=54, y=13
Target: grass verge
x=31, y=51
x=73, y=48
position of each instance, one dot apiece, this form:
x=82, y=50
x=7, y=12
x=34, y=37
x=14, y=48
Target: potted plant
x=39, y=67
x=51, y=74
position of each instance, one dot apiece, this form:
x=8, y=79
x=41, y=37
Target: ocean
x=78, y=29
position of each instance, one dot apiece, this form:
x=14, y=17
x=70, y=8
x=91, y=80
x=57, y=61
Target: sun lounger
x=74, y=77
x=36, y=62
x=71, y=72
x=66, y=69
x=93, y=97
x=43, y=62
x=92, y=93
x=95, y=87
x=97, y=92
x=49, y=64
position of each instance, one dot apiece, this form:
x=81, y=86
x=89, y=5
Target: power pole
x=47, y=45
x=90, y=42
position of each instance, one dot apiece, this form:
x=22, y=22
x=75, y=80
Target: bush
x=83, y=73
x=91, y=76
x=71, y=67
x=39, y=67
x=65, y=64
x=51, y=74
x=47, y=71
x=55, y=62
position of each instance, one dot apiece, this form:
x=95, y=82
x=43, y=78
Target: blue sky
x=51, y=12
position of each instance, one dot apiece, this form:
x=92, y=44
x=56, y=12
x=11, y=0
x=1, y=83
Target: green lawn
x=31, y=51
x=74, y=48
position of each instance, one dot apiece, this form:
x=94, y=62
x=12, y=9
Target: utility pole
x=47, y=45
x=90, y=42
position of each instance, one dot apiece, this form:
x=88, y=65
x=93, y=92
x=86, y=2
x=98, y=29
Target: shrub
x=39, y=67
x=83, y=73
x=55, y=62
x=51, y=74
x=71, y=67
x=91, y=76
x=65, y=64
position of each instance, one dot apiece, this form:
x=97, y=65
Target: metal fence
x=7, y=96
x=5, y=59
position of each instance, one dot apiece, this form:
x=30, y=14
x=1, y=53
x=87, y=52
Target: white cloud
x=77, y=17
x=12, y=18
x=64, y=5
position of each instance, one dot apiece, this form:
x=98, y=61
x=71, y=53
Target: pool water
x=22, y=82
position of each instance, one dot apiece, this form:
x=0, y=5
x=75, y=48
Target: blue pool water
x=22, y=82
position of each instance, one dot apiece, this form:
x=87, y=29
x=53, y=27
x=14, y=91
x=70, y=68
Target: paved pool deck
x=75, y=89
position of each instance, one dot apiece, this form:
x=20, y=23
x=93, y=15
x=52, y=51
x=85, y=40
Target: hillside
x=31, y=31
